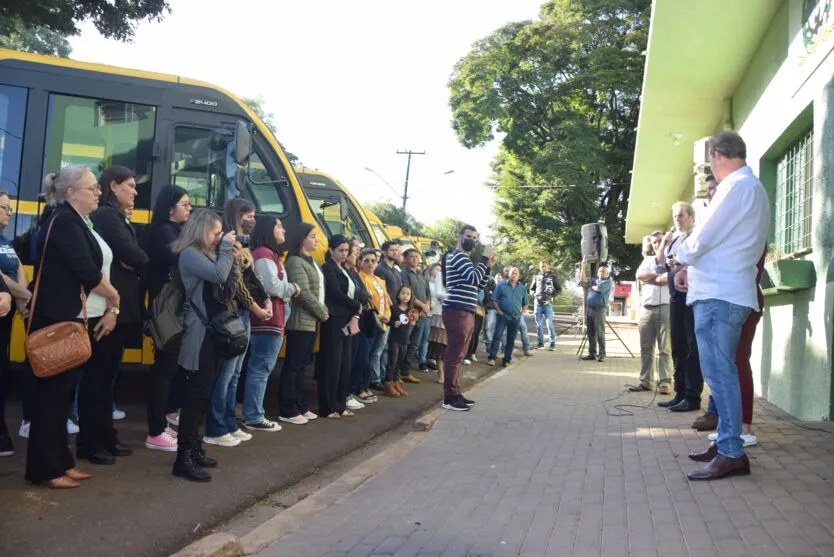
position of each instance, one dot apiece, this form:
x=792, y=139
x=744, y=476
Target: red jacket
x=275, y=325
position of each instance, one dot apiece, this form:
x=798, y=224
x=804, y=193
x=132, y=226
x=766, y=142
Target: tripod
x=580, y=316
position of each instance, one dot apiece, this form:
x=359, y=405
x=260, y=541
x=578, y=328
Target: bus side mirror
x=343, y=212
x=243, y=143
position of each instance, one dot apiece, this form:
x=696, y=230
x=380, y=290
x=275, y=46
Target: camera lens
x=243, y=239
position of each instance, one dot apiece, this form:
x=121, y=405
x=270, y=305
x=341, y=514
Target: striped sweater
x=464, y=280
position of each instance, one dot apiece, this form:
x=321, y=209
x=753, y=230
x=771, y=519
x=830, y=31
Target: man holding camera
x=599, y=290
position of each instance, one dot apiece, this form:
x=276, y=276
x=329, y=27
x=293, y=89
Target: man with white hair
x=510, y=301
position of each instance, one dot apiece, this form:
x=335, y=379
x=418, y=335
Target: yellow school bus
x=168, y=129
x=377, y=227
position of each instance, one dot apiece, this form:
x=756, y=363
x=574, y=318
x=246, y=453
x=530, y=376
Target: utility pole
x=407, y=170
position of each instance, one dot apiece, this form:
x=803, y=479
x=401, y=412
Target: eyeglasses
x=184, y=205
x=367, y=261
x=95, y=190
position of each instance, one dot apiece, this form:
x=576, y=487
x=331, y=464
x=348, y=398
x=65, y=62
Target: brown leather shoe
x=390, y=389
x=707, y=422
x=63, y=482
x=400, y=388
x=705, y=456
x=722, y=467
x=410, y=379
x=76, y=474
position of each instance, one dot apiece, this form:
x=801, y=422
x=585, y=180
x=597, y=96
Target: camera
x=243, y=240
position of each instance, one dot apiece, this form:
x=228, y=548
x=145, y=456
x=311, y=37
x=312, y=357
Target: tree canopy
x=16, y=35
x=391, y=214
x=114, y=19
x=268, y=118
x=564, y=93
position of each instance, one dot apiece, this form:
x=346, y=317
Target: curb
x=223, y=544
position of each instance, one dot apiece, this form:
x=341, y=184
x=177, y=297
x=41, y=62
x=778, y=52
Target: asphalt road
x=137, y=507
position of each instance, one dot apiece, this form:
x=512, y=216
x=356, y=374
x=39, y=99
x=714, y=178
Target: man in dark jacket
x=544, y=287
x=388, y=271
x=418, y=340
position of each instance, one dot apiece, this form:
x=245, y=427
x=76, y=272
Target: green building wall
x=784, y=93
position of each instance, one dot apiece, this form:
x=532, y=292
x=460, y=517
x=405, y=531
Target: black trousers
x=5, y=374
x=95, y=392
x=680, y=346
x=198, y=389
x=476, y=337
x=292, y=395
x=396, y=354
x=333, y=367
x=694, y=377
x=162, y=375
x=48, y=455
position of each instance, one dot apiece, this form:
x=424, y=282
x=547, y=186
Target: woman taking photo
x=335, y=349
x=97, y=439
x=221, y=424
x=171, y=210
x=267, y=334
x=308, y=310
x=203, y=269
x=373, y=327
x=73, y=260
x=13, y=287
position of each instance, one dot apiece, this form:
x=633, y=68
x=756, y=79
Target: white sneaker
x=119, y=415
x=222, y=441
x=467, y=362
x=242, y=435
x=474, y=358
x=748, y=438
x=72, y=429
x=24, y=429
x=296, y=420
x=309, y=415
x=173, y=419
x=353, y=404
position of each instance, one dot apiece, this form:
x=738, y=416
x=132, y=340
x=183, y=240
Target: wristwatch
x=114, y=310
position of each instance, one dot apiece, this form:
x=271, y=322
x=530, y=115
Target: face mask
x=468, y=244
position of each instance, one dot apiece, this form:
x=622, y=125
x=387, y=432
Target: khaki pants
x=654, y=330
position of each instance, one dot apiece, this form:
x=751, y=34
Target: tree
x=445, y=231
x=268, y=118
x=114, y=19
x=390, y=214
x=564, y=91
x=16, y=35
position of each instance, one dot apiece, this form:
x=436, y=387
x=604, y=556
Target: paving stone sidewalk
x=538, y=468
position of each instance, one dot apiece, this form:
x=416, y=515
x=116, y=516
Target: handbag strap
x=38, y=281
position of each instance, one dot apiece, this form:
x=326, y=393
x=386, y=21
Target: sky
x=349, y=83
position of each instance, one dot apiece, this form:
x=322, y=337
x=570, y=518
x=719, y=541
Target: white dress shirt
x=652, y=294
x=723, y=252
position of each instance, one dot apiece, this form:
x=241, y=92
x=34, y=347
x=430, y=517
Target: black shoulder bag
x=227, y=330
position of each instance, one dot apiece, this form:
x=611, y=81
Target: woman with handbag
x=170, y=212
x=203, y=267
x=267, y=334
x=308, y=310
x=97, y=440
x=374, y=324
x=335, y=349
x=73, y=262
x=250, y=299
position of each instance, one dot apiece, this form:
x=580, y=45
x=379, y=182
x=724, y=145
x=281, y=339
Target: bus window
x=381, y=238
x=100, y=133
x=263, y=189
x=199, y=156
x=12, y=113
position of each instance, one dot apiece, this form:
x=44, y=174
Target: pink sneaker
x=171, y=432
x=162, y=442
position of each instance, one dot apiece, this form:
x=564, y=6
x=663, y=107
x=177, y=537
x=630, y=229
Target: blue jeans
x=379, y=357
x=718, y=327
x=416, y=356
x=525, y=336
x=502, y=325
x=360, y=371
x=544, y=312
x=489, y=326
x=263, y=355
x=221, y=412
x=424, y=339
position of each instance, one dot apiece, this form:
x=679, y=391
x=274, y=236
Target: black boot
x=185, y=467
x=201, y=459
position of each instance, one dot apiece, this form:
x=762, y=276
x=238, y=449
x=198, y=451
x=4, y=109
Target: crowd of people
x=380, y=317
x=700, y=294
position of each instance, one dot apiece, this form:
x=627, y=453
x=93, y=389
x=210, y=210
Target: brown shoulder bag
x=59, y=347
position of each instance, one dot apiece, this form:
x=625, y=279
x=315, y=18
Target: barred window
x=794, y=196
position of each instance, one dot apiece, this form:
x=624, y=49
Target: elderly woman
x=74, y=259
x=374, y=325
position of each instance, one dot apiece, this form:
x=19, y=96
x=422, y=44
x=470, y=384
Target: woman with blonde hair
x=73, y=260
x=206, y=257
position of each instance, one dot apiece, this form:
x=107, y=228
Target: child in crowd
x=398, y=342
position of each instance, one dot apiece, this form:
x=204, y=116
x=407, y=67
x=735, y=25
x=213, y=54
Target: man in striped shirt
x=463, y=280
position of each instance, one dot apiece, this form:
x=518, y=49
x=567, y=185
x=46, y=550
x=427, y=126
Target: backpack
x=165, y=323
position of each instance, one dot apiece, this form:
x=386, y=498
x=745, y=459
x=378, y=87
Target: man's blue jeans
x=525, y=335
x=263, y=355
x=379, y=356
x=544, y=313
x=221, y=412
x=424, y=339
x=718, y=327
x=489, y=326
x=511, y=327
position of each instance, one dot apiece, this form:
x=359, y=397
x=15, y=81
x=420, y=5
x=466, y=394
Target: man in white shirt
x=720, y=279
x=654, y=319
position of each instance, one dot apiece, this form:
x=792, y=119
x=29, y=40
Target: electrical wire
x=622, y=407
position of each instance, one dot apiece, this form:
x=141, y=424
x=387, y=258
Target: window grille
x=794, y=196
